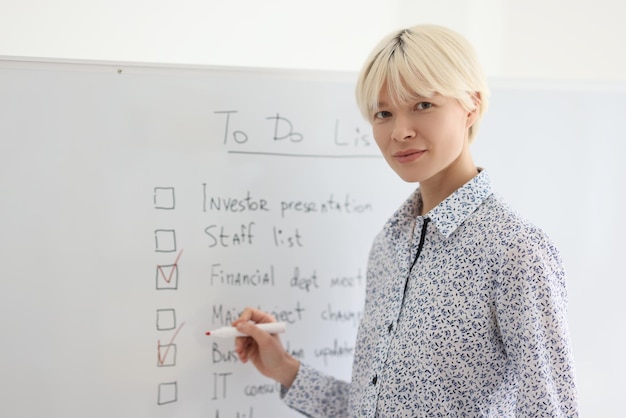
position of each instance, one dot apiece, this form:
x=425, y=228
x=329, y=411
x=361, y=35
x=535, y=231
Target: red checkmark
x=160, y=359
x=168, y=277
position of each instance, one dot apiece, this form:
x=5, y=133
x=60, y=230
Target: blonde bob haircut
x=422, y=61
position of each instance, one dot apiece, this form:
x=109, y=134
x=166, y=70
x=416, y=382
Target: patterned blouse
x=465, y=316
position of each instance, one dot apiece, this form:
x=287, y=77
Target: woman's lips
x=408, y=156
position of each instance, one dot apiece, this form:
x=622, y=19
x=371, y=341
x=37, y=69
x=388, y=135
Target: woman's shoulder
x=499, y=214
x=507, y=229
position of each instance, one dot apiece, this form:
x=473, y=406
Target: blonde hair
x=422, y=61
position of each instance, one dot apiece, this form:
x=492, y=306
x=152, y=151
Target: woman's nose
x=403, y=129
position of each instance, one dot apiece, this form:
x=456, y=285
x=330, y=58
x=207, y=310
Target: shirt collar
x=448, y=215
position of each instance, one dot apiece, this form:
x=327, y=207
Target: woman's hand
x=264, y=350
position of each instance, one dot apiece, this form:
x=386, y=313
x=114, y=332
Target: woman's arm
x=532, y=315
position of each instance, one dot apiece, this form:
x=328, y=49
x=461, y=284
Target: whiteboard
x=145, y=205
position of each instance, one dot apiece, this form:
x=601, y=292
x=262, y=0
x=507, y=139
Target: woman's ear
x=472, y=115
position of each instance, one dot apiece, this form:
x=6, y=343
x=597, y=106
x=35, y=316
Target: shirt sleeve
x=531, y=302
x=315, y=394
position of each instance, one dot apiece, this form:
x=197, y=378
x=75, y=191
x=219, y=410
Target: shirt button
x=374, y=379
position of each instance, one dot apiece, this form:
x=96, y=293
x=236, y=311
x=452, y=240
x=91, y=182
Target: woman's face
x=420, y=140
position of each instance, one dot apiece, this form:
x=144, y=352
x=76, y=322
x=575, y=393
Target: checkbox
x=167, y=274
x=166, y=355
x=165, y=240
x=168, y=393
x=167, y=277
x=164, y=198
x=165, y=319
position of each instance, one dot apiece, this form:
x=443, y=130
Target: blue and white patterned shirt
x=465, y=316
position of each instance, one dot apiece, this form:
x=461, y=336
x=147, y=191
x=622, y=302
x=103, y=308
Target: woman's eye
x=382, y=114
x=423, y=105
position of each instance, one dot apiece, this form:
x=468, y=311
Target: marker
x=230, y=332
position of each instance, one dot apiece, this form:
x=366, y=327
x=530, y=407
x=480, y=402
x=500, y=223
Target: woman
x=465, y=310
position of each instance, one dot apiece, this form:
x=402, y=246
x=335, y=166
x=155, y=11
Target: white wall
x=544, y=39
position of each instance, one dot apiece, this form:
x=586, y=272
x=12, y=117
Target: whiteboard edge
x=130, y=67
